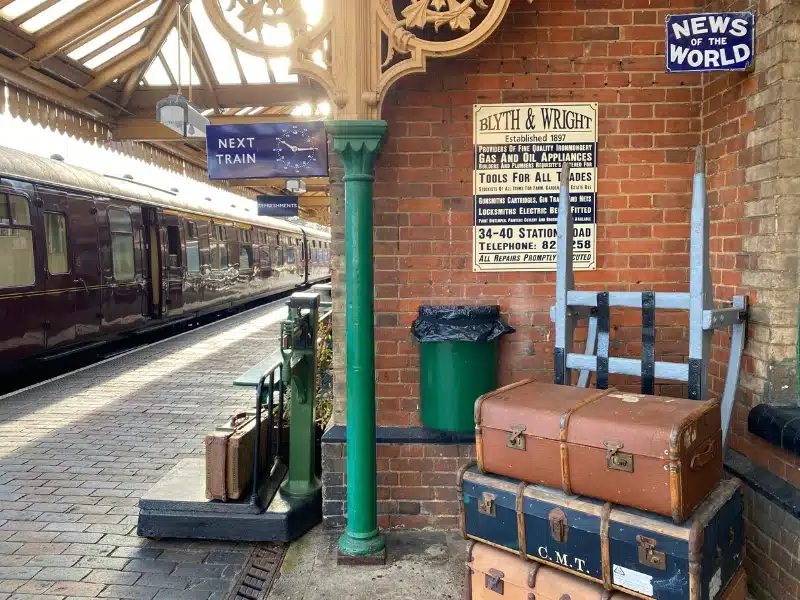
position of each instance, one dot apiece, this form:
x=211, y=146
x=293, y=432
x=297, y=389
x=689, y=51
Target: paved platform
x=421, y=565
x=77, y=453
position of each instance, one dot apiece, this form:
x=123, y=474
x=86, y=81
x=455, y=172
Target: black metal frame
x=255, y=498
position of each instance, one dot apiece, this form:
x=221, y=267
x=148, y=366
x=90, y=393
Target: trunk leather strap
x=564, y=434
x=523, y=549
x=605, y=546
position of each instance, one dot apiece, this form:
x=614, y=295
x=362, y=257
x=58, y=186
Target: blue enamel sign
x=263, y=150
x=277, y=206
x=710, y=42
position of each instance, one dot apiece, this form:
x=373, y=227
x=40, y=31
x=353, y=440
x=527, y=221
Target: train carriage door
x=152, y=256
x=175, y=266
x=123, y=283
x=82, y=233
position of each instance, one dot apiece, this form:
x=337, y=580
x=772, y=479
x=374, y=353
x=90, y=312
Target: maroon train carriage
x=85, y=257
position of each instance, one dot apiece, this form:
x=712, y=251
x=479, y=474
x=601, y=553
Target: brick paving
x=77, y=453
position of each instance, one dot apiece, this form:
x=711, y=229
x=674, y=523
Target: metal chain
x=178, y=17
x=191, y=38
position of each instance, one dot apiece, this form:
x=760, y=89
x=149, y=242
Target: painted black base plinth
x=363, y=560
x=176, y=507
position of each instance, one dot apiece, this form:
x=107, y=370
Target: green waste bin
x=458, y=362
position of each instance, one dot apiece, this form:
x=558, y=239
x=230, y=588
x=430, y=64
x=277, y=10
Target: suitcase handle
x=237, y=418
x=704, y=456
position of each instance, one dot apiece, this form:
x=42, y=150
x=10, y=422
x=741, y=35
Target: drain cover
x=259, y=573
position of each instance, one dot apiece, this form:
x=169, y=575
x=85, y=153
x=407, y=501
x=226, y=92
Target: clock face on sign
x=296, y=150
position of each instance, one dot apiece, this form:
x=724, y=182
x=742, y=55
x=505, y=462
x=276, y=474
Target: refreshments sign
x=519, y=151
x=710, y=42
x=277, y=206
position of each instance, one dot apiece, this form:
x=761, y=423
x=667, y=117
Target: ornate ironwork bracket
x=355, y=49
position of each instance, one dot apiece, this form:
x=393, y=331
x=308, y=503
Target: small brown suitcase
x=229, y=456
x=492, y=573
x=657, y=454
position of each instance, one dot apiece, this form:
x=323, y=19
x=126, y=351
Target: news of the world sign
x=710, y=42
x=519, y=152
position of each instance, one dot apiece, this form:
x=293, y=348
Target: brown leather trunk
x=229, y=457
x=662, y=455
x=492, y=573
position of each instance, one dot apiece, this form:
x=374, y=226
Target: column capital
x=358, y=143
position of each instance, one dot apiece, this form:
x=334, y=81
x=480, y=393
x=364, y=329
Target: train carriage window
x=55, y=233
x=192, y=248
x=121, y=227
x=16, y=242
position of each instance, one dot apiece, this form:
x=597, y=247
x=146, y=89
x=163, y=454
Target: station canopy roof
x=115, y=59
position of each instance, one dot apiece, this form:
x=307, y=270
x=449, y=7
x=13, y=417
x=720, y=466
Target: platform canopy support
x=358, y=144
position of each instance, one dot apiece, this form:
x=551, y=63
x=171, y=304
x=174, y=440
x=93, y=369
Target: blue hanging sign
x=277, y=206
x=710, y=42
x=264, y=150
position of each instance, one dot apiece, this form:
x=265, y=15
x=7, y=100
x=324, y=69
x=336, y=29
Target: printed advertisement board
x=519, y=152
x=710, y=42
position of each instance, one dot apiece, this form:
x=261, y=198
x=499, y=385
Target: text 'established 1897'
x=519, y=152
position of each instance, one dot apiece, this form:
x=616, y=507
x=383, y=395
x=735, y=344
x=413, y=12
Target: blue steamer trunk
x=642, y=554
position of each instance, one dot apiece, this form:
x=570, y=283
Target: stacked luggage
x=586, y=494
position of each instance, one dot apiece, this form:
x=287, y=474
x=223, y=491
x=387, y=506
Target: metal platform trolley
x=572, y=305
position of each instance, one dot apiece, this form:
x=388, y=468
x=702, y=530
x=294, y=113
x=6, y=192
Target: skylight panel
x=55, y=12
x=255, y=68
x=18, y=7
x=157, y=75
x=170, y=51
x=217, y=49
x=280, y=69
x=313, y=10
x=118, y=29
x=115, y=50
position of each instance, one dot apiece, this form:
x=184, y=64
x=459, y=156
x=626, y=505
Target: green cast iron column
x=358, y=143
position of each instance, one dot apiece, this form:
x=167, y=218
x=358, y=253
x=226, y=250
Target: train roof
x=17, y=164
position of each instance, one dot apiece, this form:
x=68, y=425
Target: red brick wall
x=607, y=51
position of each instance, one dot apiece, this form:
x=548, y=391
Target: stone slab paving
x=77, y=453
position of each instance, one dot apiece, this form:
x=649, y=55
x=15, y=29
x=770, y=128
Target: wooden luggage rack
x=572, y=305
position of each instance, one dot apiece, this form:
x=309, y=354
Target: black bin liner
x=459, y=324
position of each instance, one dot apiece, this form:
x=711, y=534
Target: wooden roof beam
x=33, y=12
x=88, y=37
x=154, y=38
x=46, y=87
x=143, y=53
x=94, y=14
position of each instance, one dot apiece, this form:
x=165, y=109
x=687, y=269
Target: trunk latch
x=494, y=581
x=486, y=504
x=516, y=437
x=616, y=460
x=558, y=525
x=648, y=555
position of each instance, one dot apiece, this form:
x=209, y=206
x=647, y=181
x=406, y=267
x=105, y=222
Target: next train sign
x=710, y=42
